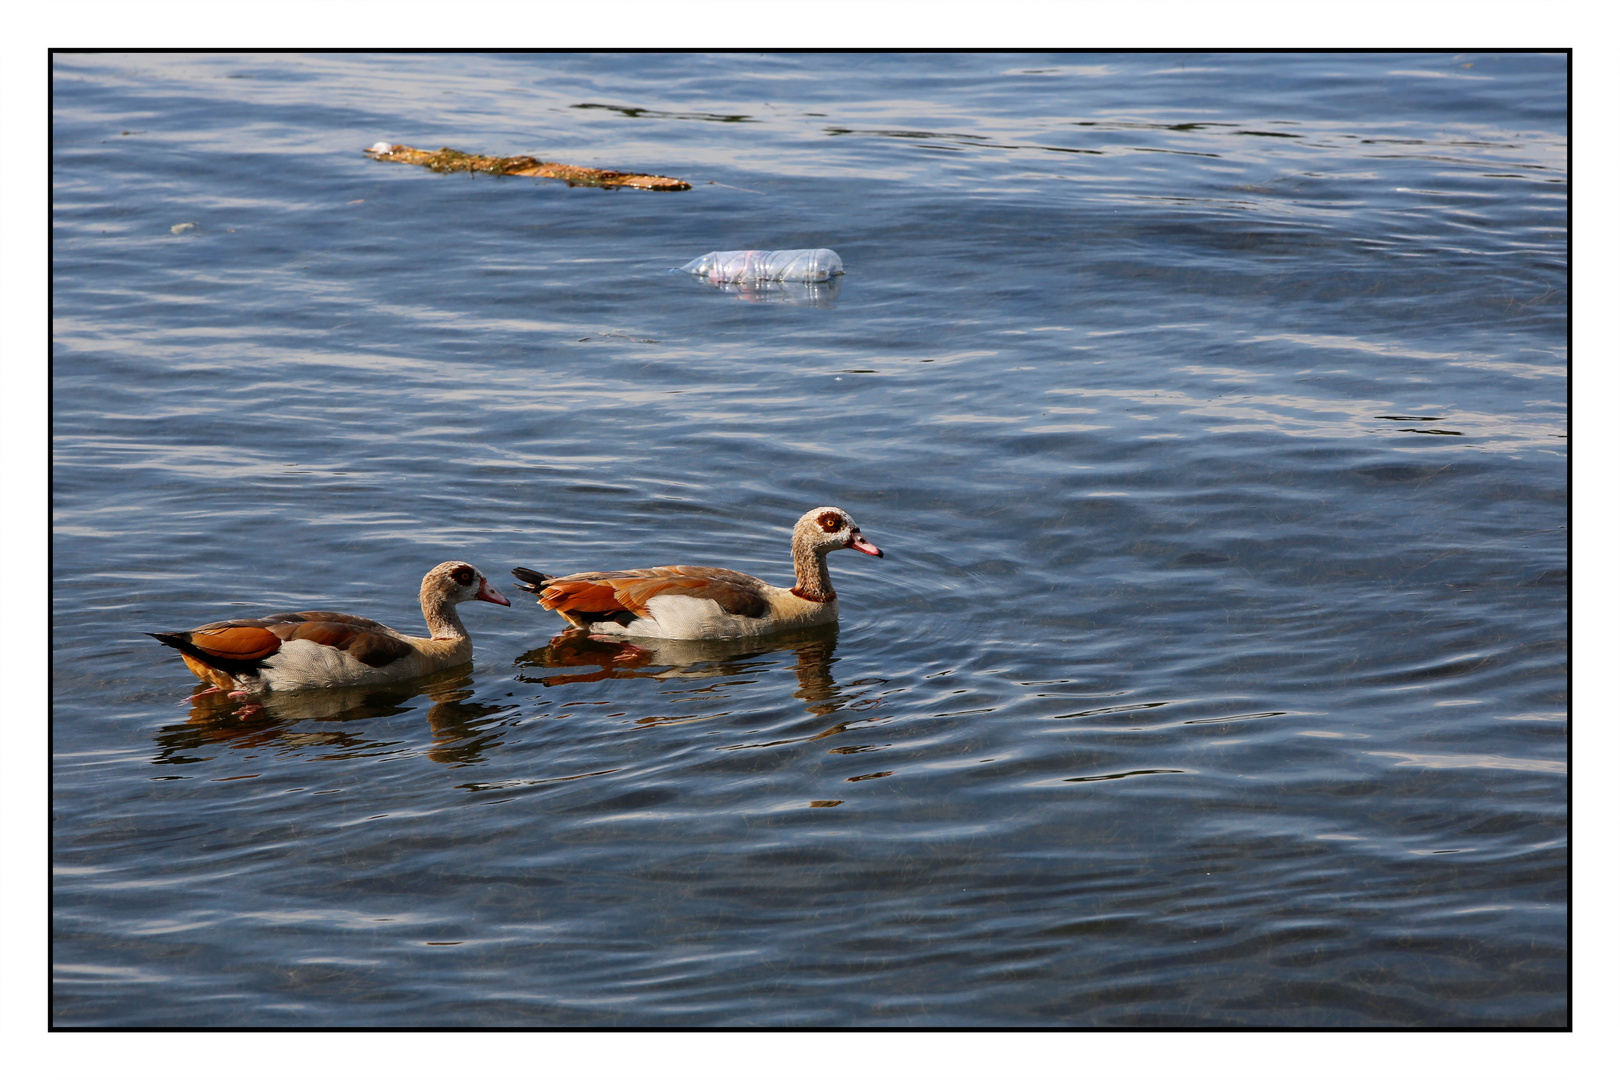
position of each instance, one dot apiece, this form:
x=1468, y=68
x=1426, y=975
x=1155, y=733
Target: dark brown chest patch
x=378, y=650
x=814, y=597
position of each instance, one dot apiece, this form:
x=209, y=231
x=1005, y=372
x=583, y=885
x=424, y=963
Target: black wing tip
x=530, y=580
x=231, y=667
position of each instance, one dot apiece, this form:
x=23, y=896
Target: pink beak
x=862, y=544
x=486, y=591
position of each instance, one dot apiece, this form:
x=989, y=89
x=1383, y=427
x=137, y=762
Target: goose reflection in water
x=279, y=721
x=658, y=658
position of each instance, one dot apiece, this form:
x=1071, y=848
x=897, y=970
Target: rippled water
x=1210, y=410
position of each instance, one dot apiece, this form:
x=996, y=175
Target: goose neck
x=443, y=620
x=810, y=572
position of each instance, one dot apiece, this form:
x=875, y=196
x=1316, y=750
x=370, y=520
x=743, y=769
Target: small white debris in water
x=382, y=148
x=184, y=226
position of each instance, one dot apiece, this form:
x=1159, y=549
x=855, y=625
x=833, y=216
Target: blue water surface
x=1210, y=410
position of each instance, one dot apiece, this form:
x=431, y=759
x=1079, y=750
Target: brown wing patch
x=736, y=577
x=732, y=597
x=333, y=617
x=368, y=647
x=220, y=651
x=735, y=600
x=337, y=635
x=635, y=594
x=594, y=597
x=235, y=642
x=736, y=593
x=282, y=617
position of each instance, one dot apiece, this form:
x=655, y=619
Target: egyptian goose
x=306, y=650
x=700, y=602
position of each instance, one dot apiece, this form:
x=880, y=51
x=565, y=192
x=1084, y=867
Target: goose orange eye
x=830, y=522
x=463, y=575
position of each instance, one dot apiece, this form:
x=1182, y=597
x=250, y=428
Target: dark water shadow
x=637, y=113
x=650, y=658
x=284, y=721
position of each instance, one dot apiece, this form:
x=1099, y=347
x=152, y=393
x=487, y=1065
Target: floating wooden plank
x=446, y=160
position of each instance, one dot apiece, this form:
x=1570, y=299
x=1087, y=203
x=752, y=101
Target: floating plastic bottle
x=758, y=267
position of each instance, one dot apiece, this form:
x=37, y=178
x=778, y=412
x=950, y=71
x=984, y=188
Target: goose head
x=827, y=528
x=456, y=582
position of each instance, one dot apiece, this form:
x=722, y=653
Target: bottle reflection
x=797, y=293
x=269, y=722
x=650, y=658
